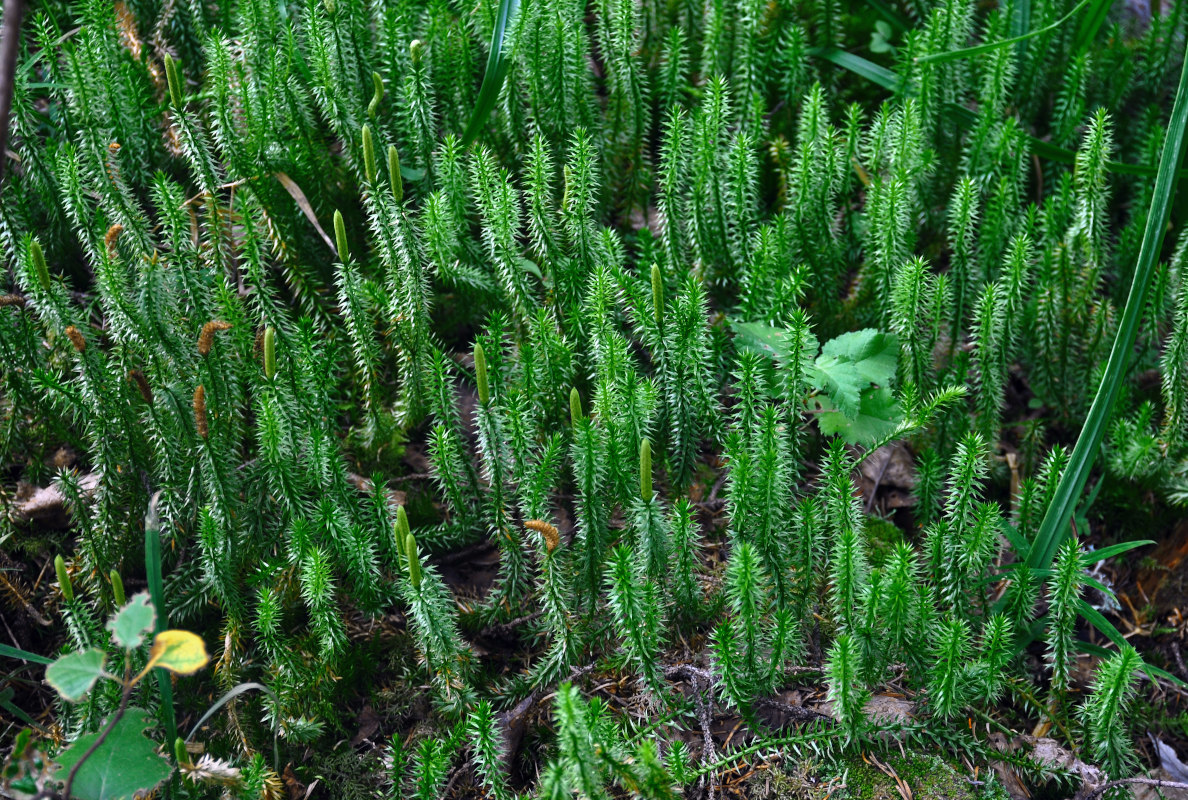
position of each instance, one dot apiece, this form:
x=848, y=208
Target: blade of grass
x=1151, y=671
x=234, y=692
x=889, y=80
x=24, y=655
x=1091, y=24
x=6, y=703
x=152, y=567
x=498, y=60
x=1076, y=474
x=1020, y=25
x=880, y=76
x=890, y=15
x=977, y=50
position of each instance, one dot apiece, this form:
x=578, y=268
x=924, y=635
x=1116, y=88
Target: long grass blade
x=880, y=76
x=234, y=692
x=977, y=50
x=156, y=582
x=24, y=655
x=498, y=60
x=1091, y=24
x=1076, y=474
x=885, y=11
x=891, y=81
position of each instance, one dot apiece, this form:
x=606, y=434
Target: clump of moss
x=929, y=777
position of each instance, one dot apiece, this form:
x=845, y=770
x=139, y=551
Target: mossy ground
x=920, y=777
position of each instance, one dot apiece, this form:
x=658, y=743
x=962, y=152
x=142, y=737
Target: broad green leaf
x=125, y=763
x=852, y=362
x=878, y=415
x=180, y=652
x=131, y=622
x=768, y=340
x=841, y=381
x=872, y=353
x=72, y=676
x=1076, y=474
x=531, y=268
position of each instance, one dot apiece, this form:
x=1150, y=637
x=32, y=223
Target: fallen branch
x=1156, y=782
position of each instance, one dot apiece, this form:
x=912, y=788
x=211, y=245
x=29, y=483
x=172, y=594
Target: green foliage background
x=265, y=258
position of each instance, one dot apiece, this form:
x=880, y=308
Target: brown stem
x=1157, y=783
x=10, y=45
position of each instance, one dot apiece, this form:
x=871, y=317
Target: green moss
x=929, y=777
x=881, y=538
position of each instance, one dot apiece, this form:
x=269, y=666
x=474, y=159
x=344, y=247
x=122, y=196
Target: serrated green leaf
x=878, y=415
x=849, y=364
x=841, y=381
x=72, y=676
x=873, y=353
x=131, y=622
x=125, y=763
x=769, y=340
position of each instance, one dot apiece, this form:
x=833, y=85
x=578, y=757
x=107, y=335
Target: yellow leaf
x=180, y=652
